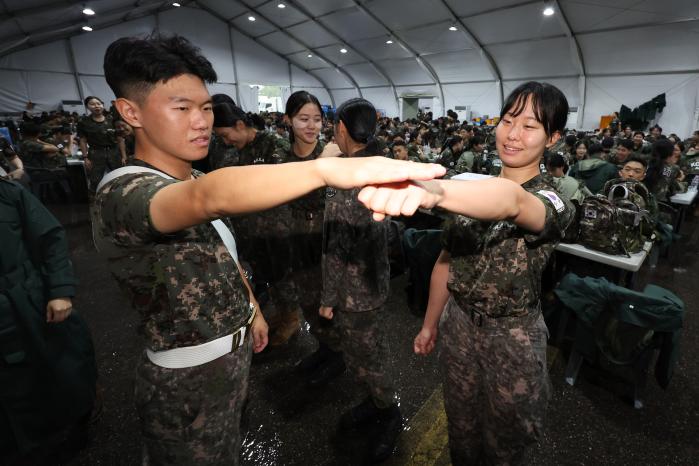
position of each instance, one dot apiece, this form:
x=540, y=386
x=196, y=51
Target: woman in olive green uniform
x=102, y=148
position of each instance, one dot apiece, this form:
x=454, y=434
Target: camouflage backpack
x=617, y=223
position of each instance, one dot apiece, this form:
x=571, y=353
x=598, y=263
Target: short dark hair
x=594, y=149
x=657, y=127
x=31, y=129
x=476, y=140
x=359, y=117
x=556, y=160
x=637, y=159
x=626, y=143
x=400, y=143
x=607, y=143
x=549, y=104
x=680, y=144
x=133, y=65
x=571, y=139
x=89, y=98
x=639, y=132
x=222, y=98
x=227, y=115
x=662, y=149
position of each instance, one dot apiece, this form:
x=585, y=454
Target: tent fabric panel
x=13, y=91
x=343, y=95
x=206, y=32
x=225, y=8
x=282, y=43
x=222, y=88
x=97, y=86
x=333, y=78
x=670, y=46
x=300, y=79
x=383, y=100
x=47, y=90
x=9, y=29
x=377, y=49
x=282, y=17
x=406, y=72
x=333, y=54
x=353, y=25
x=522, y=22
x=89, y=48
x=462, y=8
x=323, y=7
x=409, y=13
x=365, y=75
x=600, y=14
x=467, y=65
x=312, y=34
x=606, y=95
x=526, y=59
x=256, y=64
x=436, y=38
x=302, y=60
x=481, y=97
x=253, y=28
x=48, y=57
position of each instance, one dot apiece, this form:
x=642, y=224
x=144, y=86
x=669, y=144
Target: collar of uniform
x=141, y=163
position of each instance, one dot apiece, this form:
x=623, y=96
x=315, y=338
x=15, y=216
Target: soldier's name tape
x=190, y=356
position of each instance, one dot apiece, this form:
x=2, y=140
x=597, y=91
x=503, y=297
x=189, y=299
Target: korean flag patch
x=555, y=200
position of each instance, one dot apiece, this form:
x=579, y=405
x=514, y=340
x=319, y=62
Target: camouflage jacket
x=222, y=155
x=690, y=164
x=468, y=162
x=98, y=134
x=493, y=164
x=32, y=154
x=668, y=185
x=496, y=267
x=355, y=263
x=306, y=223
x=185, y=285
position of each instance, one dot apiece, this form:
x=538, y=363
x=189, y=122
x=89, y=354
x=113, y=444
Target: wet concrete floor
x=286, y=423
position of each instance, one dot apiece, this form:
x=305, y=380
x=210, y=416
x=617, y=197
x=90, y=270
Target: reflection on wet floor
x=286, y=423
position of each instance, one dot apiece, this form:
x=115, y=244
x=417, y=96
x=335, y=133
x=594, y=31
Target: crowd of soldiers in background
x=591, y=158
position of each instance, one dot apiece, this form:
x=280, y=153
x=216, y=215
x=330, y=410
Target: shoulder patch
x=555, y=200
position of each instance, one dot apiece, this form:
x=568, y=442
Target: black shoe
x=389, y=427
x=333, y=367
x=314, y=360
x=364, y=413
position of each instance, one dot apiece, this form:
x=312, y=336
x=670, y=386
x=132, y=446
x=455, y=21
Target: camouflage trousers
x=365, y=349
x=496, y=385
x=191, y=416
x=307, y=283
x=101, y=159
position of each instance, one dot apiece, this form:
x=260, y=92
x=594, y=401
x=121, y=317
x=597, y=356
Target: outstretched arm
x=238, y=190
x=490, y=199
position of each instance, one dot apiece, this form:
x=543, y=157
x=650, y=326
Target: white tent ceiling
x=585, y=47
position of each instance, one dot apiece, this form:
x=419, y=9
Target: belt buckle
x=477, y=318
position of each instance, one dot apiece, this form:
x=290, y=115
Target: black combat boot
x=333, y=366
x=314, y=360
x=362, y=414
x=384, y=441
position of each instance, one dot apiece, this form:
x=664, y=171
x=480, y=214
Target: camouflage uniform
x=303, y=286
x=468, y=162
x=667, y=185
x=222, y=155
x=690, y=166
x=356, y=280
x=493, y=164
x=103, y=150
x=263, y=236
x=188, y=291
x=493, y=355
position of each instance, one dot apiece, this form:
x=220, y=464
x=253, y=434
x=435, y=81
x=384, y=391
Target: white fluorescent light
x=176, y=5
x=548, y=11
x=309, y=55
x=281, y=5
x=87, y=28
x=88, y=11
x=389, y=41
x=251, y=18
x=452, y=28
x=343, y=50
